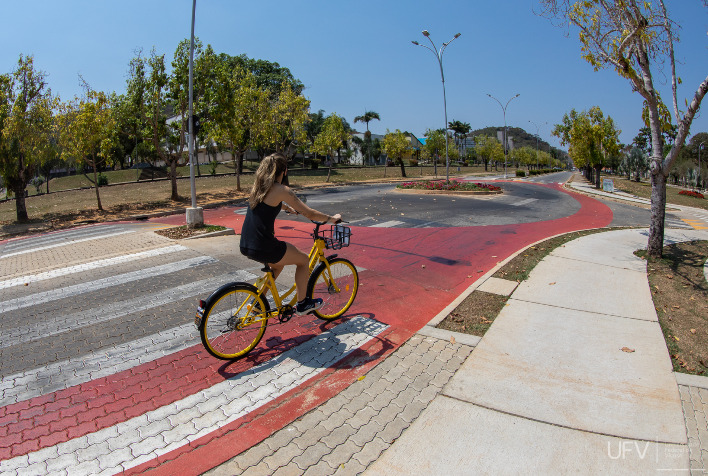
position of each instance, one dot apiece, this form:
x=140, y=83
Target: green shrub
x=102, y=180
x=413, y=162
x=212, y=167
x=520, y=173
x=38, y=181
x=315, y=163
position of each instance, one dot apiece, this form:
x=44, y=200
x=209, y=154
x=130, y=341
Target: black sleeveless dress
x=258, y=241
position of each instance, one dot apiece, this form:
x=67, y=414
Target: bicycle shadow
x=337, y=345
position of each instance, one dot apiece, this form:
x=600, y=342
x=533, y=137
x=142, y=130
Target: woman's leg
x=302, y=273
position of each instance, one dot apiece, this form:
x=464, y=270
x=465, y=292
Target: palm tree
x=460, y=130
x=366, y=118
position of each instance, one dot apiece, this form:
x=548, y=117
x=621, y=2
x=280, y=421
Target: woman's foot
x=308, y=305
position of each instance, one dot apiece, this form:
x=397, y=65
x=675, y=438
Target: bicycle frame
x=267, y=282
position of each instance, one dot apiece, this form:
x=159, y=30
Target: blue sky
x=358, y=56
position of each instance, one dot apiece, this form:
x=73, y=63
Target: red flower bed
x=452, y=185
x=691, y=193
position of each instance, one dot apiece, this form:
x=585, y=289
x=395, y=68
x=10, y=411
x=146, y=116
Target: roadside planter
x=453, y=187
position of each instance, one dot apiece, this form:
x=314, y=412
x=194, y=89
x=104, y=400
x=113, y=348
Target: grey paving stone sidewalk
x=350, y=431
x=695, y=411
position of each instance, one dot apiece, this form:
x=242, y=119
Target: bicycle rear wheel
x=235, y=319
x=336, y=286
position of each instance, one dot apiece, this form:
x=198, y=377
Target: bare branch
x=674, y=86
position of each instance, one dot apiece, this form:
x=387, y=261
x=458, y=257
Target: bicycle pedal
x=200, y=314
x=286, y=313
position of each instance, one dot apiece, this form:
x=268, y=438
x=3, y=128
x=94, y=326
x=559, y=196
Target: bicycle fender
x=228, y=287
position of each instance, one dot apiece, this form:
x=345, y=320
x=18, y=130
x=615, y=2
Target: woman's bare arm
x=286, y=195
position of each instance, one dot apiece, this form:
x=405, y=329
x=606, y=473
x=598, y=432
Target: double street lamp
x=505, y=139
x=438, y=54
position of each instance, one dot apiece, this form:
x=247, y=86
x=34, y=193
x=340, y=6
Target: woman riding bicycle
x=258, y=242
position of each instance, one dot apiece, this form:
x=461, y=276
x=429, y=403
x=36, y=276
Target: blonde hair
x=268, y=170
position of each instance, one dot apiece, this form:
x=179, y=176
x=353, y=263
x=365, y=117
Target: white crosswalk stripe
x=64, y=239
x=89, y=266
x=67, y=323
x=524, y=202
x=77, y=289
x=388, y=224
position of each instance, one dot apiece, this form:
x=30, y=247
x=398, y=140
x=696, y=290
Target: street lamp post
x=504, y=112
x=195, y=215
x=537, y=133
x=700, y=146
x=438, y=54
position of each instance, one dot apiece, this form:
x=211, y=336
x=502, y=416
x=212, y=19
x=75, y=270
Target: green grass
x=643, y=190
x=74, y=195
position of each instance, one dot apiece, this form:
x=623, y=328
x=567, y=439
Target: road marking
x=158, y=432
x=65, y=243
x=75, y=290
x=524, y=202
x=388, y=224
x=78, y=370
x=67, y=323
x=55, y=273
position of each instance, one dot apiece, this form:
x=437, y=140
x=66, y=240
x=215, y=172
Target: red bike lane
x=408, y=275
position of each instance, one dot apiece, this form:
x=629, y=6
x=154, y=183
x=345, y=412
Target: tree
x=157, y=132
x=591, y=138
x=396, y=145
x=434, y=143
x=237, y=116
x=88, y=131
x=460, y=130
x=132, y=115
x=489, y=148
x=284, y=122
x=366, y=118
x=26, y=123
x=178, y=94
x=50, y=159
x=330, y=138
x=633, y=37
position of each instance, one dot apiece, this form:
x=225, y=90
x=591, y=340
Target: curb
x=227, y=231
x=691, y=380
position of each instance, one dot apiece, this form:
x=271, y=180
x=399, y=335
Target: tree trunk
x=403, y=169
x=329, y=169
x=20, y=204
x=655, y=246
x=597, y=178
x=95, y=184
x=173, y=180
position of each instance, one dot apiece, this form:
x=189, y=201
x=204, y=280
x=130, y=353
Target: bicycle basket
x=337, y=237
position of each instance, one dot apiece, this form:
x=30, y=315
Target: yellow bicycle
x=233, y=319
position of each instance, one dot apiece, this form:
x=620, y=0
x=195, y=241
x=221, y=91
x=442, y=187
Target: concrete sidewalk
x=574, y=376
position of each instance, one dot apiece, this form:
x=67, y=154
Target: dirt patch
x=680, y=293
x=475, y=314
x=184, y=231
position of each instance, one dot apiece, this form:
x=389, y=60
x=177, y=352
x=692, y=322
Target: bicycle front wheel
x=336, y=285
x=235, y=319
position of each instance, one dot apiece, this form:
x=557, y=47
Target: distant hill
x=519, y=137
